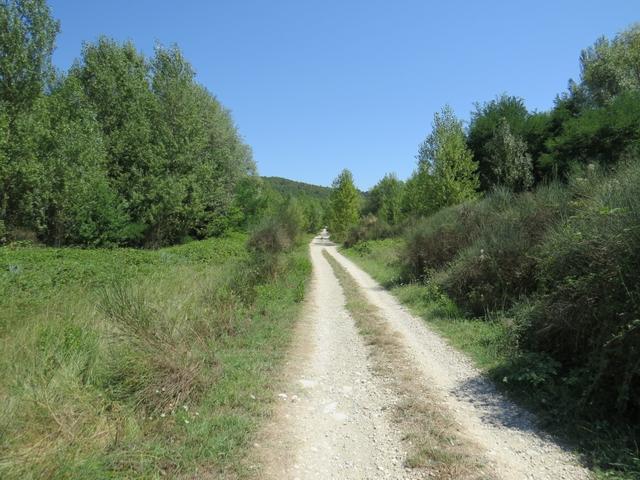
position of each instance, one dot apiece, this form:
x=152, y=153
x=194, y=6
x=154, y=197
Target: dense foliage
x=547, y=254
x=122, y=149
x=447, y=173
x=559, y=265
x=312, y=199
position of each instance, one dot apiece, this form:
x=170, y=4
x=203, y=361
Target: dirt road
x=333, y=420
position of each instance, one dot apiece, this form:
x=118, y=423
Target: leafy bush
x=498, y=267
x=275, y=235
x=279, y=232
x=589, y=311
x=436, y=240
x=605, y=135
x=270, y=236
x=369, y=227
x=528, y=370
x=3, y=233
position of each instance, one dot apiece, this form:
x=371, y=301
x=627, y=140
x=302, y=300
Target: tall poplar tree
x=447, y=173
x=344, y=205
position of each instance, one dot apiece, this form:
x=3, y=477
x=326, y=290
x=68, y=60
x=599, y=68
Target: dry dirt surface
x=333, y=417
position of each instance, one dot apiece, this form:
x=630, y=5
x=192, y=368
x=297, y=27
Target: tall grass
x=139, y=364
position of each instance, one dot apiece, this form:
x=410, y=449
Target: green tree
x=598, y=119
x=509, y=161
x=82, y=207
x=538, y=130
x=173, y=152
x=122, y=150
x=203, y=156
x=344, y=205
x=486, y=120
x=411, y=201
x=4, y=166
x=253, y=199
x=116, y=78
x=611, y=67
x=447, y=173
x=385, y=199
x=599, y=134
x=27, y=40
x=314, y=214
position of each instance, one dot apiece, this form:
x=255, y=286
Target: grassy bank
x=607, y=447
x=140, y=364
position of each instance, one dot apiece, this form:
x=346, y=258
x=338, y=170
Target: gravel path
x=333, y=419
x=507, y=433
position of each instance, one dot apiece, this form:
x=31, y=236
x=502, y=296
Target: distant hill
x=297, y=189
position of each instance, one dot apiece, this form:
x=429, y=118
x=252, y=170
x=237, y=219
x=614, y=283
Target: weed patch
x=140, y=364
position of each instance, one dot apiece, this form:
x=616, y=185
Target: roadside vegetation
x=139, y=364
x=149, y=278
x=528, y=259
x=517, y=237
x=121, y=150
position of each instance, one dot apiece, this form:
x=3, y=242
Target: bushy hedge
x=369, y=227
x=435, y=241
x=588, y=313
x=561, y=265
x=499, y=266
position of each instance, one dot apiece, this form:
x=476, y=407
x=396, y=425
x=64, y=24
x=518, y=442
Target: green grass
x=139, y=364
x=607, y=448
x=379, y=258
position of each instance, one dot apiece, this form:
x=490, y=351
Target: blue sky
x=317, y=86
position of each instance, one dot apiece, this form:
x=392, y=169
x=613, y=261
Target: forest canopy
x=120, y=150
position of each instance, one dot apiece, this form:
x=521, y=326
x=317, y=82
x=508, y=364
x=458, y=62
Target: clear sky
x=317, y=86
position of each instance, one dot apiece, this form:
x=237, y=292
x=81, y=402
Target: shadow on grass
x=607, y=446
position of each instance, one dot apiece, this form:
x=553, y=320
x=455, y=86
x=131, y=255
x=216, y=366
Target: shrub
x=269, y=236
x=3, y=233
x=436, y=240
x=498, y=267
x=589, y=312
x=369, y=227
x=278, y=232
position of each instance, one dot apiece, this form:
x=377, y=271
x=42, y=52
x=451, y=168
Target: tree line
x=120, y=150
x=595, y=121
x=529, y=221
